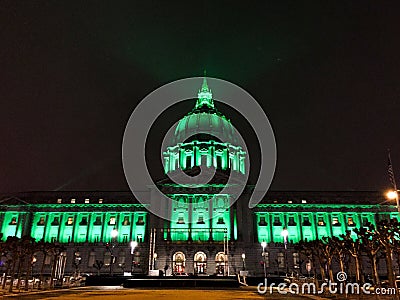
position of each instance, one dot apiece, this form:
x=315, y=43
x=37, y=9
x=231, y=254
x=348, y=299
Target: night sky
x=327, y=76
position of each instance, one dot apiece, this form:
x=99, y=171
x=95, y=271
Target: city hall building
x=114, y=233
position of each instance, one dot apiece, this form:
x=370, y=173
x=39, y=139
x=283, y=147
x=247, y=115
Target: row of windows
x=200, y=220
x=306, y=221
x=84, y=221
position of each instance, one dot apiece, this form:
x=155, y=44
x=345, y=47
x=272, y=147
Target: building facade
x=207, y=233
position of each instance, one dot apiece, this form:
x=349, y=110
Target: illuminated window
x=262, y=222
x=321, y=221
x=139, y=238
x=126, y=221
x=83, y=221
x=281, y=260
x=41, y=221
x=180, y=220
x=86, y=200
x=350, y=221
x=70, y=221
x=140, y=220
x=100, y=200
x=296, y=260
x=112, y=221
x=291, y=221
x=306, y=221
x=277, y=221
x=72, y=200
x=59, y=200
x=13, y=221
x=97, y=221
x=55, y=222
x=335, y=221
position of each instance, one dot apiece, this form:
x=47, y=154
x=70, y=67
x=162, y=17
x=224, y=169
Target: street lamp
x=285, y=234
x=114, y=235
x=243, y=259
x=264, y=245
x=394, y=195
x=133, y=246
x=154, y=260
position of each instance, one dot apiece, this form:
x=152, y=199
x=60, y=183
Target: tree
x=386, y=232
x=371, y=247
x=354, y=248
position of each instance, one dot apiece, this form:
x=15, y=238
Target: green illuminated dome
x=206, y=138
x=204, y=118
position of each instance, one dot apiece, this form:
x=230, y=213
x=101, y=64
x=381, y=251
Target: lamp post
x=243, y=259
x=133, y=246
x=154, y=260
x=77, y=262
x=114, y=235
x=264, y=245
x=285, y=234
x=394, y=195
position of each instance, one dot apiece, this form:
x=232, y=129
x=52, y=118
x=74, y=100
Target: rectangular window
x=83, y=221
x=335, y=221
x=97, y=221
x=291, y=221
x=281, y=260
x=41, y=221
x=306, y=221
x=126, y=222
x=55, y=222
x=277, y=221
x=112, y=221
x=140, y=220
x=350, y=221
x=70, y=221
x=262, y=222
x=321, y=221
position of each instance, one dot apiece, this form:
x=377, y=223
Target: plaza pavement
x=119, y=293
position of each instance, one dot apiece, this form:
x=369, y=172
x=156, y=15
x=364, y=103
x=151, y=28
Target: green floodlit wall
x=199, y=218
x=12, y=223
x=88, y=226
x=310, y=225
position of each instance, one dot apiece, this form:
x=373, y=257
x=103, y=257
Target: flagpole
x=393, y=180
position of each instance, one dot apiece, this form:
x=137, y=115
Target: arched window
x=200, y=263
x=178, y=262
x=220, y=263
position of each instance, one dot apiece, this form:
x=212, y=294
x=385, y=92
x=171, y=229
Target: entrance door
x=220, y=263
x=178, y=262
x=200, y=263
